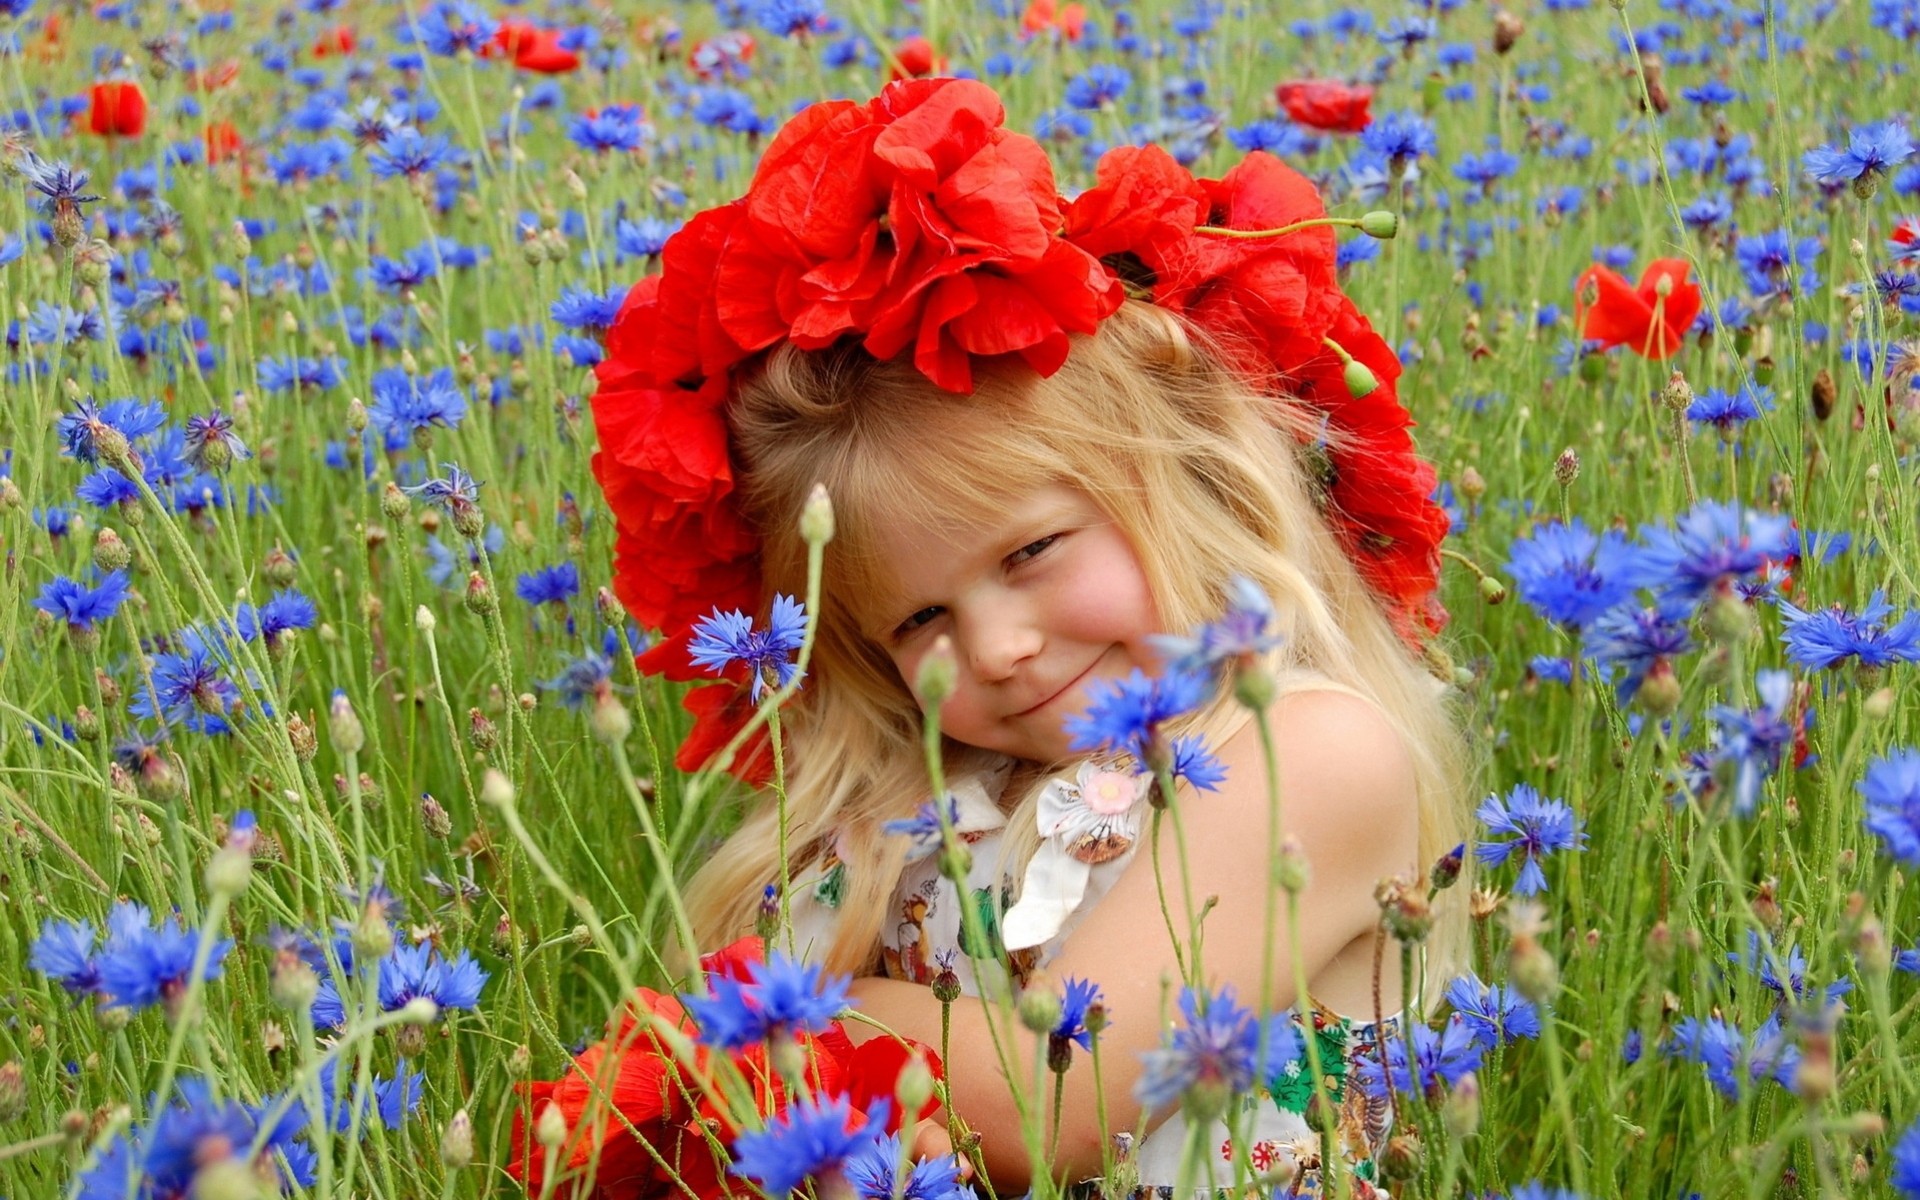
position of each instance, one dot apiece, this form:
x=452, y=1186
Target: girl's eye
x=1032, y=549
x=917, y=620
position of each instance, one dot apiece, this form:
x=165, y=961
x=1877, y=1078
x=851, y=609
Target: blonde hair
x=1202, y=474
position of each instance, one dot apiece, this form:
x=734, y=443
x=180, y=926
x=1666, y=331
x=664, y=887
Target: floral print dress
x=994, y=935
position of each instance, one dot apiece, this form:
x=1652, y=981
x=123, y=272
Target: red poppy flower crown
x=918, y=224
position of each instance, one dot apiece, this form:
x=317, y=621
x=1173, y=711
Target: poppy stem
x=1282, y=231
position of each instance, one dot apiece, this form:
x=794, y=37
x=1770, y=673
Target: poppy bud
x=1763, y=368
x=1380, y=223
x=816, y=517
x=1360, y=379
x=938, y=674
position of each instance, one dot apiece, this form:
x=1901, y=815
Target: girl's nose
x=997, y=641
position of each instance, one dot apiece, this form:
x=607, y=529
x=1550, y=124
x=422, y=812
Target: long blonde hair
x=1202, y=474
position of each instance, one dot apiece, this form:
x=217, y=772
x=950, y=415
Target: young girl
x=1050, y=431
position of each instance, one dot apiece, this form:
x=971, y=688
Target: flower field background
x=334, y=807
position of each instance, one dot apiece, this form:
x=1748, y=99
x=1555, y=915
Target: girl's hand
x=929, y=1139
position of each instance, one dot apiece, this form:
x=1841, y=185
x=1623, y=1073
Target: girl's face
x=1038, y=607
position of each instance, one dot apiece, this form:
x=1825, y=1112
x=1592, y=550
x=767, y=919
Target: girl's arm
x=1348, y=796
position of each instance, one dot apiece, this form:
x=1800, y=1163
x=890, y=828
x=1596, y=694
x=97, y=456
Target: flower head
x=1494, y=1014
x=64, y=953
x=1216, y=1056
x=141, y=965
x=1539, y=827
x=1892, y=790
x=874, y=1171
x=1638, y=641
x=1872, y=151
x=726, y=638
x=83, y=608
x=1733, y=1061
x=923, y=829
x=211, y=441
x=1440, y=1058
x=549, y=585
x=1077, y=996
x=1124, y=716
x=458, y=495
x=1904, y=1175
x=779, y=998
x=1727, y=411
x=1241, y=634
x=581, y=678
x=165, y=1157
x=814, y=1136
x=406, y=404
x=1571, y=575
x=1827, y=637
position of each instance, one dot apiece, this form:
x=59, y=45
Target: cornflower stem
x=446, y=706
x=1195, y=915
x=783, y=821
x=662, y=862
x=1059, y=1103
x=1160, y=889
x=1562, y=1101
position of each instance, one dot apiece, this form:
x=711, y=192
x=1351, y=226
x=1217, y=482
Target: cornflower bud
x=1447, y=868
x=1039, y=1005
x=1660, y=692
x=946, y=983
x=239, y=245
x=1507, y=29
x=456, y=1144
x=13, y=1091
x=1460, y=1111
x=938, y=674
x=766, y=922
x=1566, y=468
x=10, y=498
x=292, y=982
x=480, y=600
x=1677, y=395
x=482, y=734
x=348, y=734
x=610, y=721
x=496, y=790
x=816, y=517
x=372, y=935
x=1823, y=395
x=109, y=552
x=229, y=871
x=357, y=418
x=394, y=504
x=551, y=1129
x=301, y=737
x=279, y=568
x=1291, y=871
x=519, y=1062
x=434, y=818
x=915, y=1084
x=226, y=1179
x=86, y=725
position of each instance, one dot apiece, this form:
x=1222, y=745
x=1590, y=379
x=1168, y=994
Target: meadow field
x=333, y=808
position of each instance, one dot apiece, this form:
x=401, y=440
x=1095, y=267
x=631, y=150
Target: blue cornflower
x=1731, y=1060
x=1440, y=1058
x=454, y=26
x=1407, y=32
x=1768, y=259
x=1892, y=789
x=591, y=314
x=457, y=495
x=392, y=1099
x=873, y=1170
x=62, y=187
x=614, y=127
x=370, y=123
x=730, y=109
x=813, y=1137
x=1710, y=93
x=164, y=1157
x=1237, y=637
x=1716, y=543
x=644, y=238
x=211, y=442
x=399, y=276
x=549, y=585
x=779, y=999
x=1540, y=827
x=287, y=611
x=1748, y=742
x=82, y=607
x=1768, y=962
x=1872, y=151
x=1197, y=765
x=581, y=679
x=411, y=154
x=1904, y=1174
x=1494, y=1014
x=1100, y=86
x=188, y=687
x=1400, y=137
x=409, y=404
x=788, y=18
x=1707, y=212
x=1484, y=169
x=722, y=639
x=923, y=829
x=412, y=971
x=1571, y=575
x=1639, y=641
x=1125, y=715
x=83, y=430
x=1076, y=997
x=1216, y=1056
x=64, y=953
x=141, y=965
x=1727, y=411
x=1827, y=637
x=297, y=374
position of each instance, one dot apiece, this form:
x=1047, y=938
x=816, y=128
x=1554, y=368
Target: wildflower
x=1770, y=260
x=1540, y=827
x=1218, y=1055
x=458, y=496
x=117, y=108
x=141, y=965
x=1716, y=543
x=1400, y=138
x=644, y=238
x=1492, y=1013
x=1904, y=1175
x=413, y=971
x=1872, y=151
x=549, y=585
x=1326, y=105
x=1440, y=1058
x=1196, y=765
x=188, y=1141
x=779, y=999
x=585, y=677
x=62, y=193
x=93, y=431
x=1727, y=411
x=1237, y=637
x=299, y=375
x=615, y=127
x=83, y=608
x=1892, y=789
x=923, y=828
x=64, y=953
x=1100, y=87
x=1535, y=1190
x=1077, y=997
x=874, y=1173
x=1748, y=742
x=410, y=154
x=1407, y=33
x=1707, y=212
x=1827, y=637
x=1485, y=169
x=287, y=611
x=721, y=640
x=1731, y=1060
x=790, y=18
x=1571, y=575
x=211, y=441
x=392, y=1098
x=1650, y=318
x=812, y=1137
x=591, y=314
x=1125, y=716
x=455, y=27
x=1783, y=972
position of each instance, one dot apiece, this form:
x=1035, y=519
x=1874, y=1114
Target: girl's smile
x=1037, y=607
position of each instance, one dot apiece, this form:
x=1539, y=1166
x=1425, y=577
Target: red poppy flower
x=118, y=108
x=720, y=711
x=1043, y=15
x=222, y=142
x=215, y=77
x=1906, y=231
x=644, y=1112
x=535, y=49
x=1609, y=310
x=1326, y=105
x=340, y=39
x=914, y=58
